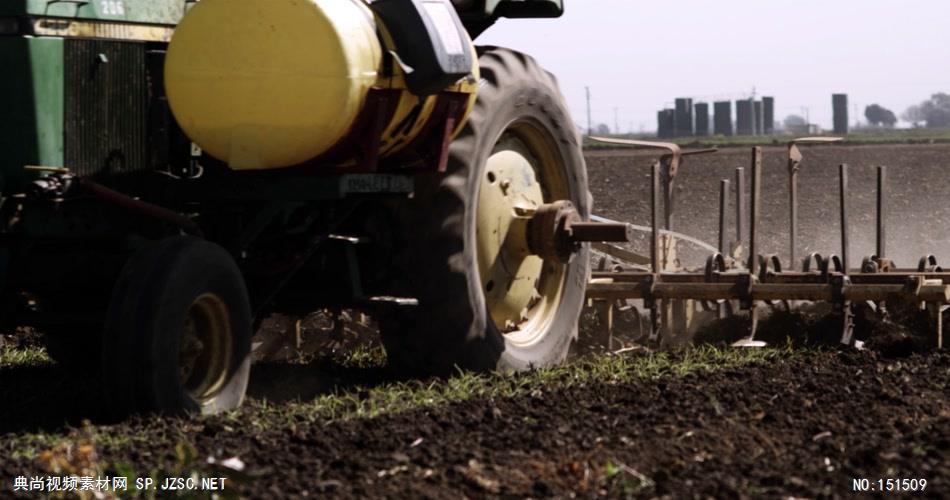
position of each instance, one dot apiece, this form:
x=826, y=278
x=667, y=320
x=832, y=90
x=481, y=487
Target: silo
x=839, y=105
x=768, y=115
x=684, y=117
x=702, y=119
x=759, y=117
x=665, y=123
x=722, y=118
x=745, y=117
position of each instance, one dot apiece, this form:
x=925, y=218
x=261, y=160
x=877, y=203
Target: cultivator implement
x=739, y=283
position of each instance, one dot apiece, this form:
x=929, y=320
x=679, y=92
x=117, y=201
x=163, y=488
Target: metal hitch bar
x=556, y=231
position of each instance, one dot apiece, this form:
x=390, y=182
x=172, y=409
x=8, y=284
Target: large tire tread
x=144, y=321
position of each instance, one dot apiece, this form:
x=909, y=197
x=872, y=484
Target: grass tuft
x=29, y=356
x=403, y=396
x=395, y=397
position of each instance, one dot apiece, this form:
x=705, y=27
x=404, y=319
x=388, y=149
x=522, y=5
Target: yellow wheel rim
x=522, y=291
x=205, y=350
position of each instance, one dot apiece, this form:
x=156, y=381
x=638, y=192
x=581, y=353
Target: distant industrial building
x=666, y=123
x=759, y=117
x=702, y=119
x=684, y=117
x=768, y=115
x=687, y=119
x=839, y=107
x=745, y=117
x=722, y=118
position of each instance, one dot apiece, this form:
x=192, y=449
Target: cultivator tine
x=669, y=173
x=847, y=314
x=794, y=165
x=755, y=200
x=716, y=264
x=654, y=219
x=794, y=160
x=878, y=262
x=723, y=208
x=736, y=250
x=843, y=306
x=672, y=162
x=756, y=205
x=928, y=264
x=941, y=310
x=654, y=248
x=843, y=198
x=881, y=233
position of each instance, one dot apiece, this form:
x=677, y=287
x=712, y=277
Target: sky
x=637, y=56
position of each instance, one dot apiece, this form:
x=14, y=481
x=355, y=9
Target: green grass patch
x=412, y=395
x=402, y=396
x=29, y=356
x=31, y=445
x=103, y=449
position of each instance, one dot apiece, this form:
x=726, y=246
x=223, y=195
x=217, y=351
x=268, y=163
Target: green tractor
x=173, y=171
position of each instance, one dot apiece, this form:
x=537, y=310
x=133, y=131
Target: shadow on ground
x=49, y=397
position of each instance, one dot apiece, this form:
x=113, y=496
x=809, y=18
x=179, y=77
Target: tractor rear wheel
x=178, y=331
x=487, y=301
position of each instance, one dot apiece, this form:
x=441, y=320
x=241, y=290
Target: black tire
x=451, y=326
x=151, y=302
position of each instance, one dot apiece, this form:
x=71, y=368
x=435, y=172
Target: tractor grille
x=106, y=107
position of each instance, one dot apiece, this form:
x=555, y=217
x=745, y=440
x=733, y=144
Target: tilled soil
x=803, y=427
x=918, y=219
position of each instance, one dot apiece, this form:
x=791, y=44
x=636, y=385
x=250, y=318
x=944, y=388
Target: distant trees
x=878, y=115
x=913, y=115
x=794, y=122
x=602, y=129
x=934, y=113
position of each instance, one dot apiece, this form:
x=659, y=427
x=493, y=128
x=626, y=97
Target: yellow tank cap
x=271, y=83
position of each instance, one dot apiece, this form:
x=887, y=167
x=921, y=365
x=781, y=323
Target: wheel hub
x=205, y=349
x=508, y=195
x=549, y=232
x=524, y=243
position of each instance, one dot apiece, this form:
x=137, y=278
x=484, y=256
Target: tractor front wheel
x=178, y=331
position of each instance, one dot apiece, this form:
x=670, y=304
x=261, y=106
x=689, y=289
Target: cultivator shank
x=679, y=300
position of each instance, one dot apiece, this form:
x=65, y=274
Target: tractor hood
x=134, y=11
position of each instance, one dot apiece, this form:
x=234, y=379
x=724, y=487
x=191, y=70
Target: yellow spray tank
x=280, y=83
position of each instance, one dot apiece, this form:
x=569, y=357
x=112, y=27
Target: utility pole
x=590, y=129
x=616, y=123
x=807, y=113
